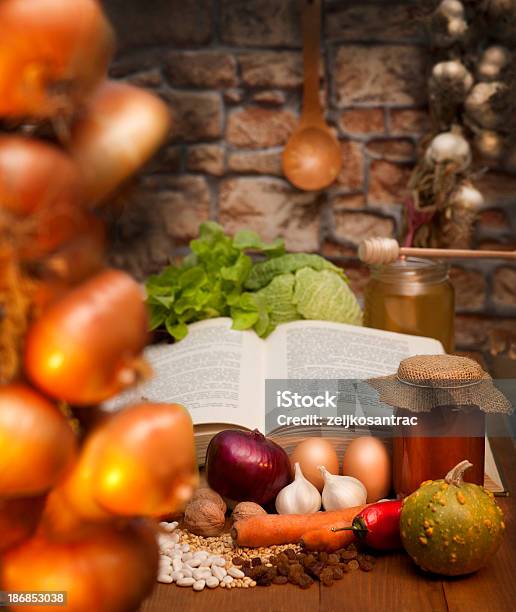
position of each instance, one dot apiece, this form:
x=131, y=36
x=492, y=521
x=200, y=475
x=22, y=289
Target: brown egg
x=310, y=454
x=367, y=459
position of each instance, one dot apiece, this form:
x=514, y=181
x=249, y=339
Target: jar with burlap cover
x=425, y=382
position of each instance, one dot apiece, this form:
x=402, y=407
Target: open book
x=219, y=374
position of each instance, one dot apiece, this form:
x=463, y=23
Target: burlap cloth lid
x=424, y=382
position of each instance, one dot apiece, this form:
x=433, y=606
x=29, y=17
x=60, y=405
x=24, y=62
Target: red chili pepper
x=378, y=525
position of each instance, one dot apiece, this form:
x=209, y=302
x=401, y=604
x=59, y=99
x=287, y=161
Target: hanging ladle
x=312, y=158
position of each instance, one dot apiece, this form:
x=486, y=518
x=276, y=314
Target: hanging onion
x=86, y=347
x=80, y=258
x=140, y=461
x=40, y=195
x=101, y=568
x=53, y=53
x=18, y=519
x=36, y=440
x=118, y=132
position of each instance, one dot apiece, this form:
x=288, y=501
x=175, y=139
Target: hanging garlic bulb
x=451, y=74
x=454, y=28
x=299, y=497
x=489, y=144
x=449, y=147
x=493, y=61
x=457, y=219
x=478, y=104
x=467, y=196
x=341, y=492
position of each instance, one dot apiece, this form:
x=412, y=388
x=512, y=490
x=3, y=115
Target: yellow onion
x=87, y=346
x=117, y=133
x=53, y=53
x=37, y=443
x=81, y=257
x=101, y=568
x=40, y=195
x=140, y=461
x=18, y=519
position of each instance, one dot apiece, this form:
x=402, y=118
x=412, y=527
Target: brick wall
x=231, y=71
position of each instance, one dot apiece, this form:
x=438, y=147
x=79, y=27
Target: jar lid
x=424, y=382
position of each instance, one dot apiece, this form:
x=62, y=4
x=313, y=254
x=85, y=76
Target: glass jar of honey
x=412, y=296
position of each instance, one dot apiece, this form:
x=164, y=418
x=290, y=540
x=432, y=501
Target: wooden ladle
x=312, y=158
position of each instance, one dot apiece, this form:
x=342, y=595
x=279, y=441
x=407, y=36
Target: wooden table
x=394, y=585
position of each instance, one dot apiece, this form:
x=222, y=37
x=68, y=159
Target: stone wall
x=231, y=71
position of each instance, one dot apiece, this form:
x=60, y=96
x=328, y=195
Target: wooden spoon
x=312, y=158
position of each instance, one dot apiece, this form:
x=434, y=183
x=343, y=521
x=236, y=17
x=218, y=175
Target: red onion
x=246, y=466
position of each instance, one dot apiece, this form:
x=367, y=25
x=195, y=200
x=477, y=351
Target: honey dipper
x=387, y=250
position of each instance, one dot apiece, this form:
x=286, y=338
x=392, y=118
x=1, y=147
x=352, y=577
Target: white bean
x=163, y=540
x=186, y=571
x=170, y=527
x=185, y=548
x=212, y=582
x=177, y=564
x=227, y=579
x=187, y=556
x=199, y=574
x=165, y=558
x=202, y=554
x=235, y=572
x=218, y=572
x=194, y=562
x=185, y=582
x=177, y=576
x=199, y=585
x=219, y=561
x=165, y=578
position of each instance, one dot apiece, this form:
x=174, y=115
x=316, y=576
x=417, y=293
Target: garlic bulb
x=489, y=144
x=453, y=9
x=341, y=491
x=299, y=497
x=451, y=12
x=467, y=196
x=451, y=74
x=449, y=147
x=478, y=105
x=493, y=61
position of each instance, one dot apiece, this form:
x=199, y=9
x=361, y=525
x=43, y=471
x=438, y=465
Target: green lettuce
x=219, y=279
x=208, y=282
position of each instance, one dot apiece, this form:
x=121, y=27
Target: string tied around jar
x=425, y=382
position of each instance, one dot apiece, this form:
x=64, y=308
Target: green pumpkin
x=451, y=527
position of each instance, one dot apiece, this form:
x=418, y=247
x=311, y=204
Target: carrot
x=326, y=539
x=270, y=529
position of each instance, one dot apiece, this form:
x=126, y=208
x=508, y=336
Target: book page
x=315, y=357
x=215, y=372
x=324, y=350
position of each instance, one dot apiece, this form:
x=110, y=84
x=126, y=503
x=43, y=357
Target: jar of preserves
x=441, y=402
x=412, y=296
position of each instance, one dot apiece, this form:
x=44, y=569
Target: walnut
x=245, y=510
x=210, y=495
x=204, y=518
